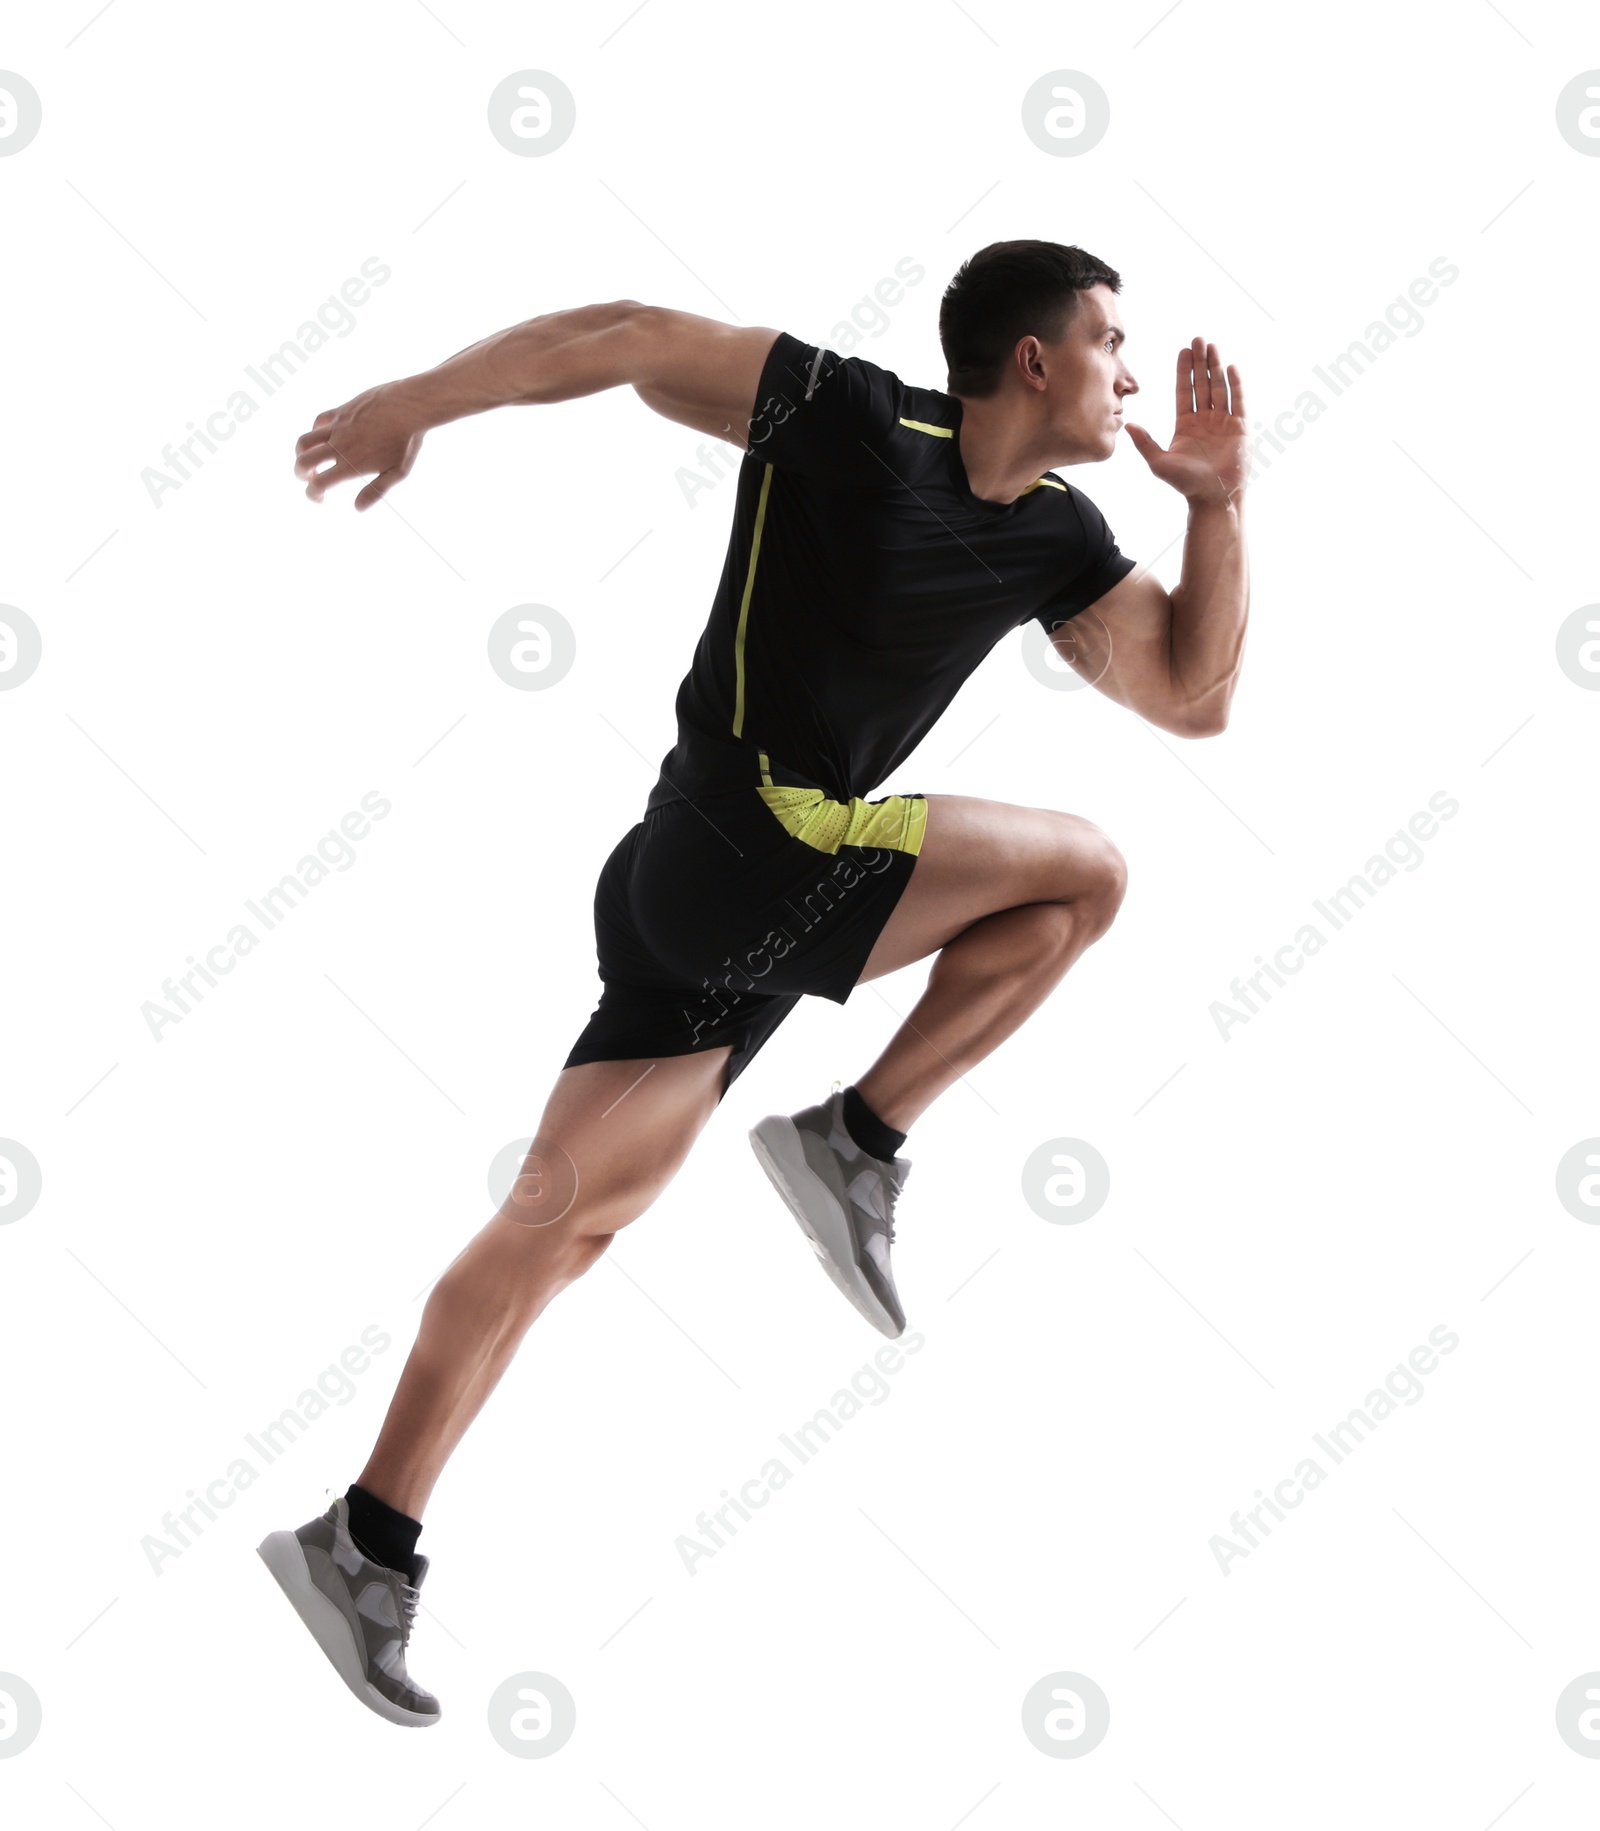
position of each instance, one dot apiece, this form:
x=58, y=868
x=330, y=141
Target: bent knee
x=1113, y=872
x=1103, y=879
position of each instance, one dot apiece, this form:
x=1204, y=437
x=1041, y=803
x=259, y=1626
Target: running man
x=885, y=538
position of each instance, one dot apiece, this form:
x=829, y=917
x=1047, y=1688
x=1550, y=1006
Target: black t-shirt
x=864, y=582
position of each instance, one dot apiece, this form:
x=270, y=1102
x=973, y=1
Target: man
x=885, y=537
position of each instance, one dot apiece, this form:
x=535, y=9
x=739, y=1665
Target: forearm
x=557, y=357
x=1210, y=607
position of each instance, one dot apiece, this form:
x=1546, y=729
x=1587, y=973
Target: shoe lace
x=891, y=1194
x=409, y=1598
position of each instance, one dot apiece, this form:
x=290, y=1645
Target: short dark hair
x=1007, y=291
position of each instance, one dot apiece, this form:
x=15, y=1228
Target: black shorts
x=714, y=916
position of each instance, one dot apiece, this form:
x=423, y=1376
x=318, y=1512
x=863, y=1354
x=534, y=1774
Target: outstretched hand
x=373, y=432
x=1207, y=460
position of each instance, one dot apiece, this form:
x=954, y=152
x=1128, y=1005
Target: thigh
x=981, y=856
x=613, y=1134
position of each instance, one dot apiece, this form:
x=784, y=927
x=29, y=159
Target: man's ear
x=1033, y=362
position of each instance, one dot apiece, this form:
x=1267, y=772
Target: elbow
x=1196, y=721
x=628, y=331
x=1207, y=724
x=624, y=317
x=1203, y=713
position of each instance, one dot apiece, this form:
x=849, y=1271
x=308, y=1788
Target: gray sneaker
x=359, y=1613
x=842, y=1198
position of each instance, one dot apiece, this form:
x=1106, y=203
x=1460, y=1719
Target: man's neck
x=997, y=455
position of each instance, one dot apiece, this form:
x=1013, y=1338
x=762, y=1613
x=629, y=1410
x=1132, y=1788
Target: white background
x=1370, y=1156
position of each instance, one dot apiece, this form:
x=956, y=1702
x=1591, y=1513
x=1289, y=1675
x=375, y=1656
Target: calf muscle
x=612, y=1136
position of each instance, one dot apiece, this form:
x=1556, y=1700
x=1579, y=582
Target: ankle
x=382, y=1532
x=876, y=1138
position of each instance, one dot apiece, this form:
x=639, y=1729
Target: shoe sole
x=780, y=1152
x=284, y=1556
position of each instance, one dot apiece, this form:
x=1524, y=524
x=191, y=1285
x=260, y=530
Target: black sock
x=868, y=1130
x=386, y=1536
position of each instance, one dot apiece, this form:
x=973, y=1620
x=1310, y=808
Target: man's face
x=1087, y=378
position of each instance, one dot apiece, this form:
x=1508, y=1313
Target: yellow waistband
x=896, y=822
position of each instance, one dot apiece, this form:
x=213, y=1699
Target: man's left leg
x=1008, y=897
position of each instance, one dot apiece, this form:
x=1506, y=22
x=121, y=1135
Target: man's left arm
x=1174, y=658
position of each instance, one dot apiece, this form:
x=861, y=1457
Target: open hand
x=373, y=432
x=1208, y=459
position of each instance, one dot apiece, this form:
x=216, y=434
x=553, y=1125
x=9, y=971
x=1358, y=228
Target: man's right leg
x=612, y=1137
x=618, y=1131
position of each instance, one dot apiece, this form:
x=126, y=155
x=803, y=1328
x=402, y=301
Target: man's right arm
x=694, y=370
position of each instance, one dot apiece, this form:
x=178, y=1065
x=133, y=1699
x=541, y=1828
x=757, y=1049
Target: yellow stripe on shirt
x=744, y=607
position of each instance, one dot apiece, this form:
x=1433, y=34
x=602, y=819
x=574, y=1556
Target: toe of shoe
x=408, y=1696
